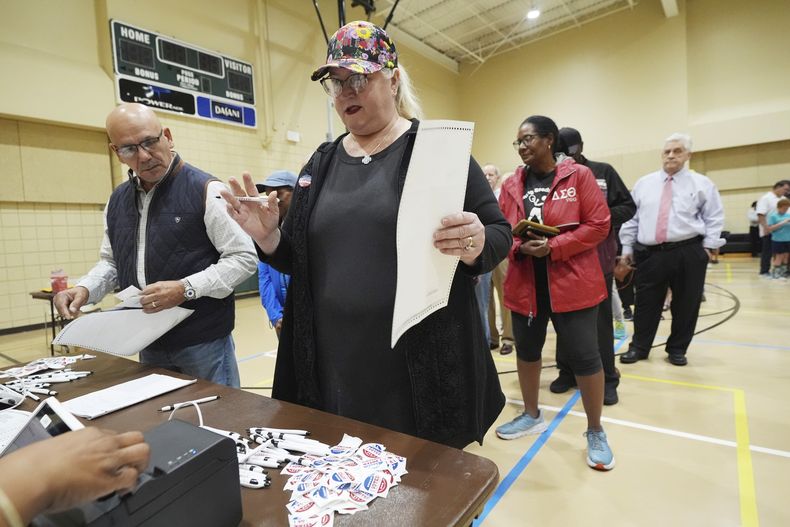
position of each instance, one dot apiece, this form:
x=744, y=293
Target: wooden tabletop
x=444, y=486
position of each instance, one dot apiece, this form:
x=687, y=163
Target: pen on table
x=263, y=429
x=260, y=199
x=198, y=401
x=42, y=391
x=32, y=396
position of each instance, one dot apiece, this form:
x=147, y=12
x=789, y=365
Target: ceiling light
x=533, y=13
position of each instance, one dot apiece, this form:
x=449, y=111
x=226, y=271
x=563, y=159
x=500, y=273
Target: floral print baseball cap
x=361, y=47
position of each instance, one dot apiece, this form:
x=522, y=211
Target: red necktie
x=663, y=211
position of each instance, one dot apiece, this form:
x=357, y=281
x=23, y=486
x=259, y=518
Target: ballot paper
x=129, y=297
x=120, y=331
x=435, y=187
x=11, y=422
x=102, y=402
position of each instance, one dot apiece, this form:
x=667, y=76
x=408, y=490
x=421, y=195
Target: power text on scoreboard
x=161, y=61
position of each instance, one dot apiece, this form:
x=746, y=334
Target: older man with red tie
x=677, y=225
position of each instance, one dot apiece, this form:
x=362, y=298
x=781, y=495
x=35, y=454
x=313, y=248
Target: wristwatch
x=189, y=291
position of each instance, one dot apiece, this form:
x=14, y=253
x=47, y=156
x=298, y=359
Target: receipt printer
x=192, y=479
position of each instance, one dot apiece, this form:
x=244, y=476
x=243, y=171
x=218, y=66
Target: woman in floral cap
x=339, y=245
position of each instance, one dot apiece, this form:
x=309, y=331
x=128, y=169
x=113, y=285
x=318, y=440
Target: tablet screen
x=48, y=420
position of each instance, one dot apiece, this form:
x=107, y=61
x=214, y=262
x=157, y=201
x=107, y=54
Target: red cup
x=59, y=282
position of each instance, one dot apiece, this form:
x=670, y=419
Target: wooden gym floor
x=706, y=444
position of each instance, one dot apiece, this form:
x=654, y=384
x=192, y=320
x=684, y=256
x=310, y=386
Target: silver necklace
x=367, y=157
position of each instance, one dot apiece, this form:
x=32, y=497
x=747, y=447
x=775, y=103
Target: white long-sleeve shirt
x=765, y=206
x=696, y=210
x=237, y=261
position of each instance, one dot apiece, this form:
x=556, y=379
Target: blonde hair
x=406, y=100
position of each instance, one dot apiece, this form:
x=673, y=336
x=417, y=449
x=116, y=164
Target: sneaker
x=522, y=425
x=599, y=455
x=627, y=314
x=619, y=330
x=563, y=383
x=506, y=349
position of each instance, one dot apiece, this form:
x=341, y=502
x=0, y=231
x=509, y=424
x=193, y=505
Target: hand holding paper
x=461, y=234
x=434, y=189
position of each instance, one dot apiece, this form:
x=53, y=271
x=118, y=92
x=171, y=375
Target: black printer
x=192, y=479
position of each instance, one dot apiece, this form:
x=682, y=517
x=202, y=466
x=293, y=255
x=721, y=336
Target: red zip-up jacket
x=577, y=207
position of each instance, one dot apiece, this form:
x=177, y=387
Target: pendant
x=366, y=159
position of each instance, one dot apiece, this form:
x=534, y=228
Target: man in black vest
x=167, y=234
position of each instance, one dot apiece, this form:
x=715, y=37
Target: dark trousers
x=626, y=291
x=765, y=255
x=754, y=240
x=605, y=333
x=682, y=269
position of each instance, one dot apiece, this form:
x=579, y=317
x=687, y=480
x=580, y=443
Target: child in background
x=778, y=226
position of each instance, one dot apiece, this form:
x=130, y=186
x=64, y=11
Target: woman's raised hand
x=259, y=218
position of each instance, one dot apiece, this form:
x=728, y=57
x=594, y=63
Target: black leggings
x=577, y=337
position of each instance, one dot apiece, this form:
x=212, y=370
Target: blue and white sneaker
x=619, y=330
x=522, y=425
x=599, y=455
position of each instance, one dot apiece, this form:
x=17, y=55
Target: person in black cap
x=272, y=284
x=338, y=243
x=622, y=209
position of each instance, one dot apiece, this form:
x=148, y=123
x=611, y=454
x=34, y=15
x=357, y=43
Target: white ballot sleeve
x=102, y=402
x=435, y=187
x=120, y=331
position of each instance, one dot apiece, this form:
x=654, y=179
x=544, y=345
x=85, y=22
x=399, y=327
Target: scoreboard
x=173, y=76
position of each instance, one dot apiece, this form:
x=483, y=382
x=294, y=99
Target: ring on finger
x=154, y=304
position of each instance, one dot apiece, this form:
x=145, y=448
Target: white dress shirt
x=237, y=261
x=696, y=210
x=765, y=206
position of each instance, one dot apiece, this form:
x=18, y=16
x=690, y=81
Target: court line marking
x=270, y=353
x=742, y=344
x=746, y=489
x=522, y=463
x=667, y=431
x=265, y=382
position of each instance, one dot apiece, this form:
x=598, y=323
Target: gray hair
x=684, y=139
x=492, y=165
x=406, y=100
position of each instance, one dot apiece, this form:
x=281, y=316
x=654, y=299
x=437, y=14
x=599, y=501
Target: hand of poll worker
x=259, y=218
x=69, y=301
x=70, y=469
x=461, y=234
x=537, y=246
x=162, y=295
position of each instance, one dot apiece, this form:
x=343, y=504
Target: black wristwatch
x=189, y=291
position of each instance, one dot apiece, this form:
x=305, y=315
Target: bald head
x=130, y=114
x=139, y=140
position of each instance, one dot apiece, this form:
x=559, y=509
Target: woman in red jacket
x=557, y=278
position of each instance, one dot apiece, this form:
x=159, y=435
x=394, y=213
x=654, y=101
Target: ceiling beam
x=670, y=8
x=439, y=33
x=426, y=51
